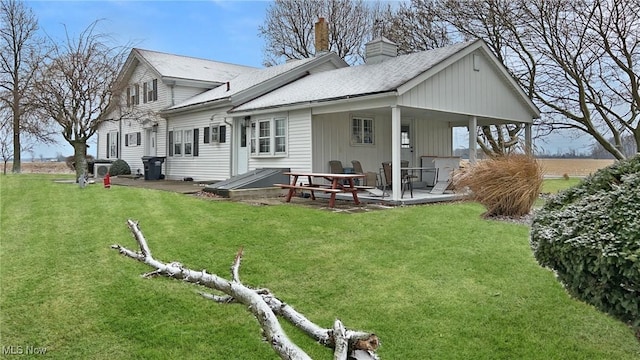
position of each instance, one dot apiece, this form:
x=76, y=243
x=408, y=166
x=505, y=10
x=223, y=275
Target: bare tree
x=577, y=59
x=415, y=27
x=21, y=54
x=79, y=87
x=289, y=30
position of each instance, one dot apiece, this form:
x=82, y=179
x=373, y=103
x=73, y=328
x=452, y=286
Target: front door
x=406, y=142
x=242, y=153
x=150, y=142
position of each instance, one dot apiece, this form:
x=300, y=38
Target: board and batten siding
x=213, y=160
x=298, y=157
x=460, y=89
x=331, y=140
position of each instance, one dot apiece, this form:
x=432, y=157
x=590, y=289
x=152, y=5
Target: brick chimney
x=322, y=37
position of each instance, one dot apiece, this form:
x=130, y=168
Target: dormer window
x=150, y=91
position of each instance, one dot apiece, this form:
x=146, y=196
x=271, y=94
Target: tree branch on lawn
x=262, y=304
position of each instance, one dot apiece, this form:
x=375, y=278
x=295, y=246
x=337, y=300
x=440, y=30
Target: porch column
x=473, y=138
x=528, y=143
x=396, y=117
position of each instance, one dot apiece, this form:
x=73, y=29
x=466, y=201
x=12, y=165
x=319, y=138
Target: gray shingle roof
x=190, y=68
x=354, y=81
x=242, y=82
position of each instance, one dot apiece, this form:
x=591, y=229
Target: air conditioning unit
x=100, y=170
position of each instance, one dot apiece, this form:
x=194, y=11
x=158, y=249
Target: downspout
x=231, y=149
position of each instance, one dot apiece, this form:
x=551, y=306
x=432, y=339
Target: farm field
x=572, y=167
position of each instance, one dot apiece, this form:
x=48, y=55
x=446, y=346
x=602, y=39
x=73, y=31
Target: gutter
x=194, y=107
x=309, y=104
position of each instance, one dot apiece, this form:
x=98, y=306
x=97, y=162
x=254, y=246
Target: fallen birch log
x=266, y=308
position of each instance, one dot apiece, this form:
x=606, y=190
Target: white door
x=406, y=142
x=242, y=152
x=150, y=144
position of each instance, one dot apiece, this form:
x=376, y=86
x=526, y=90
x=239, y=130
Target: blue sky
x=218, y=30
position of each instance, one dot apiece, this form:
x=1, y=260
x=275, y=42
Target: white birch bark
x=261, y=303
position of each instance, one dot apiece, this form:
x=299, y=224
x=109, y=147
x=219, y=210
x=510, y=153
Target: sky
x=211, y=29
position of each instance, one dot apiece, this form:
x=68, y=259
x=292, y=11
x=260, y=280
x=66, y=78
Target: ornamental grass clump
x=589, y=235
x=506, y=185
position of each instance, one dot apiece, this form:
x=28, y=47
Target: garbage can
x=152, y=167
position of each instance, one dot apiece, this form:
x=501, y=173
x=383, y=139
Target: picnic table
x=335, y=183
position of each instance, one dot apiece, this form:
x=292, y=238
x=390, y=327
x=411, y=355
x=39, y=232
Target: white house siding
x=213, y=160
x=460, y=89
x=299, y=140
x=332, y=141
x=182, y=93
x=432, y=137
x=166, y=95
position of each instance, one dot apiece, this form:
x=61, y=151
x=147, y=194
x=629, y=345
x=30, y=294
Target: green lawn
x=433, y=282
x=555, y=185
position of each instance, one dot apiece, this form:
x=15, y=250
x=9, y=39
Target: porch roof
x=355, y=81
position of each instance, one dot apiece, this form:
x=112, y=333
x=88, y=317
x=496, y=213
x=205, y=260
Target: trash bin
x=152, y=167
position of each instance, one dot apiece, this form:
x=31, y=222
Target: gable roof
x=248, y=85
x=172, y=67
x=393, y=75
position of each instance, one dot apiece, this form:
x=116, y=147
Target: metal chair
x=405, y=179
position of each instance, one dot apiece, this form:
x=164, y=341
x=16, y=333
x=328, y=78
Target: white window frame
x=113, y=144
x=362, y=130
x=214, y=133
x=132, y=139
x=269, y=137
x=177, y=142
x=134, y=96
x=187, y=142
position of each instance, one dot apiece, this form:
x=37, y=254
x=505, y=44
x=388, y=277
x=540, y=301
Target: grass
x=554, y=185
x=434, y=282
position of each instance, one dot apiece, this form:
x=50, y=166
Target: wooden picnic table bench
x=338, y=183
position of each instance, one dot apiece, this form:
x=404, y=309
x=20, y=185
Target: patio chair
x=405, y=179
x=371, y=178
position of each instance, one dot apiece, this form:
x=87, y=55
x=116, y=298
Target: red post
x=107, y=181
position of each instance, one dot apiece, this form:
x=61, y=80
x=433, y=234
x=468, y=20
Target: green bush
x=119, y=167
x=589, y=235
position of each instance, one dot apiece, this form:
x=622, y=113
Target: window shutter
x=222, y=133
x=207, y=137
x=144, y=93
x=196, y=138
x=128, y=96
x=138, y=138
x=126, y=140
x=107, y=145
x=137, y=94
x=155, y=89
x=117, y=145
x=170, y=143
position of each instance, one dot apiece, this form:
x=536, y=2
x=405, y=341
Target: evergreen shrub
x=589, y=235
x=119, y=167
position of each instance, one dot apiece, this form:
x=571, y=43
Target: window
x=269, y=137
x=361, y=131
x=133, y=95
x=177, y=143
x=405, y=139
x=133, y=139
x=184, y=142
x=215, y=134
x=188, y=142
x=112, y=144
x=150, y=91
